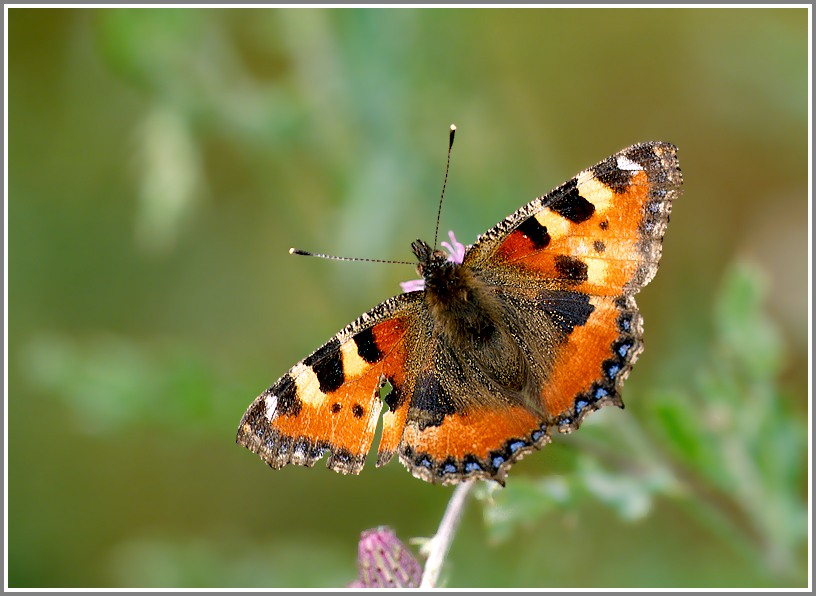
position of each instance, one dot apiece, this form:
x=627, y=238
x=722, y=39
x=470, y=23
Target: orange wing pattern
x=330, y=401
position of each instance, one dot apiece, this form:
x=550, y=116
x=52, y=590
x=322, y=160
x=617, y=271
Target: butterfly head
x=431, y=262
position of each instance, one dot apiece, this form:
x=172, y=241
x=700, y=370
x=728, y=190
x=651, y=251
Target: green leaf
x=743, y=328
x=680, y=427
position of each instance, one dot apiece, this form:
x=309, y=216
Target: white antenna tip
x=292, y=251
x=453, y=127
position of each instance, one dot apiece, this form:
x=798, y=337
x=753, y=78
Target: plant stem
x=440, y=543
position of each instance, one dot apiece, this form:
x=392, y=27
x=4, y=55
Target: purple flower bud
x=385, y=562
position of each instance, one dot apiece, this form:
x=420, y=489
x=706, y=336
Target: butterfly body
x=535, y=328
x=464, y=310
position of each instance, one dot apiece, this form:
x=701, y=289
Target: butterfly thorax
x=462, y=306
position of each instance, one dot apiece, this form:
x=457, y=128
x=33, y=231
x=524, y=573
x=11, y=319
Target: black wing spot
x=535, y=232
x=567, y=309
x=288, y=402
x=571, y=269
x=612, y=176
x=571, y=205
x=357, y=410
x=327, y=363
x=432, y=401
x=367, y=346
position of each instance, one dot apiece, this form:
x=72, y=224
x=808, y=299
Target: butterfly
x=526, y=332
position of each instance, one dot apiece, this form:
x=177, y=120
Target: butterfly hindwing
x=469, y=415
x=476, y=442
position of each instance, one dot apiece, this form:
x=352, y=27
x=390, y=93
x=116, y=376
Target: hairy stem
x=440, y=543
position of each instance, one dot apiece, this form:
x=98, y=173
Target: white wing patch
x=271, y=402
x=624, y=163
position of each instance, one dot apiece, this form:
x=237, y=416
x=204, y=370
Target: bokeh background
x=162, y=161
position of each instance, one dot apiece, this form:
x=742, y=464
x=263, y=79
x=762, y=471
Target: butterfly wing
x=565, y=268
x=600, y=233
x=330, y=401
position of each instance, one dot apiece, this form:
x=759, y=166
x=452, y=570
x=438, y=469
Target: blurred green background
x=162, y=161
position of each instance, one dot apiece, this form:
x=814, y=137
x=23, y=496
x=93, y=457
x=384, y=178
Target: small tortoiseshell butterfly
x=533, y=328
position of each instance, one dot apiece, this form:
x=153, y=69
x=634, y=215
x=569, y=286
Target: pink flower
x=455, y=248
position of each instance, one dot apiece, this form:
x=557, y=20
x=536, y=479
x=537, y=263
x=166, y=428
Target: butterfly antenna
x=444, y=183
x=297, y=251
